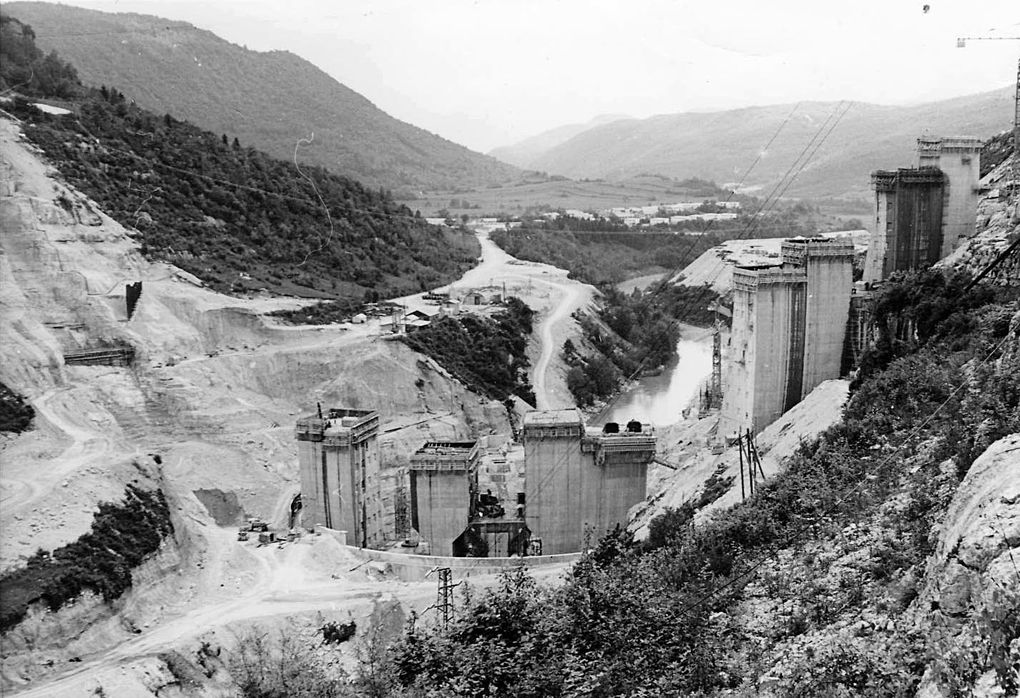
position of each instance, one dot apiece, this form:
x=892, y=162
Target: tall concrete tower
x=579, y=478
x=338, y=455
x=959, y=158
x=828, y=269
x=443, y=481
x=908, y=232
x=789, y=323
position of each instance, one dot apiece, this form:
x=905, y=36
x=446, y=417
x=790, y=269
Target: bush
x=122, y=536
x=16, y=415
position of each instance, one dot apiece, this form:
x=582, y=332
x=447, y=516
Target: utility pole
x=740, y=449
x=444, y=598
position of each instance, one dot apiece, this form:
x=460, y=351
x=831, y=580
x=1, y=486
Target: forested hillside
x=721, y=145
x=266, y=99
x=235, y=217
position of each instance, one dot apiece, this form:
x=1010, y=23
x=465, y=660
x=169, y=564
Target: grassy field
x=562, y=193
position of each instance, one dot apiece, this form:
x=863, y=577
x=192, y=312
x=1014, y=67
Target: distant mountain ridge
x=722, y=145
x=530, y=148
x=266, y=99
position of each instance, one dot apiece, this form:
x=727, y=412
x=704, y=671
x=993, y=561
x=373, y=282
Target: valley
x=299, y=399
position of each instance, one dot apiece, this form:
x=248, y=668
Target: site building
x=581, y=480
x=442, y=484
x=338, y=457
x=788, y=330
x=959, y=159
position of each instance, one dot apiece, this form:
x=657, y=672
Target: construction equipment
x=256, y=525
x=489, y=506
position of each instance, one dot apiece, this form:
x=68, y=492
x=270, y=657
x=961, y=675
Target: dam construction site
x=263, y=440
x=323, y=474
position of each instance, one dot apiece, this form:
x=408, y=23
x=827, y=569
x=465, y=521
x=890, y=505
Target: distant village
x=651, y=216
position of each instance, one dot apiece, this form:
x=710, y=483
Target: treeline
x=123, y=535
x=236, y=218
x=485, y=354
x=815, y=583
x=26, y=69
x=604, y=258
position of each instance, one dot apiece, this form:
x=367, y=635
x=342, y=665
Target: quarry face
x=196, y=393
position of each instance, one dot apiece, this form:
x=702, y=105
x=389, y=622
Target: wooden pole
x=740, y=449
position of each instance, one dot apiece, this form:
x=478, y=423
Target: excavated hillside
x=204, y=411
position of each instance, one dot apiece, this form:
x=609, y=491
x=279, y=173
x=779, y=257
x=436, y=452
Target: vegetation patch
x=486, y=354
x=16, y=414
x=123, y=534
x=631, y=333
x=774, y=588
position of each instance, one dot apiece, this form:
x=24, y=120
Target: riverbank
x=661, y=399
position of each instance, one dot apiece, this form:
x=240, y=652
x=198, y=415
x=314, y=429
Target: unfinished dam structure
x=338, y=458
x=789, y=326
x=922, y=213
x=581, y=480
x=443, y=482
x=578, y=483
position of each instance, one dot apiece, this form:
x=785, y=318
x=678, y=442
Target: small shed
x=359, y=319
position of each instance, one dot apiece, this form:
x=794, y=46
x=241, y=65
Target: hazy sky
x=490, y=72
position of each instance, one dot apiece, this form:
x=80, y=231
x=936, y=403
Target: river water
x=659, y=400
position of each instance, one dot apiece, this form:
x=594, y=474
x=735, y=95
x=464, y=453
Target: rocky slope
x=268, y=100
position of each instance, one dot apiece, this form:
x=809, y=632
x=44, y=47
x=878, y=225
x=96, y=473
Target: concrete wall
x=882, y=233
x=918, y=227
x=829, y=285
x=789, y=324
x=623, y=485
x=440, y=504
x=554, y=487
x=960, y=160
x=738, y=365
x=313, y=511
x=773, y=321
x=413, y=568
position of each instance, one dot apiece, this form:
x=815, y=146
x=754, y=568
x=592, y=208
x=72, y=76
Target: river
x=659, y=400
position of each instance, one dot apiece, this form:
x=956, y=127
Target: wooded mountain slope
x=722, y=145
x=233, y=216
x=267, y=99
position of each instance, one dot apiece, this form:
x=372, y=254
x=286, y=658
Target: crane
x=1014, y=190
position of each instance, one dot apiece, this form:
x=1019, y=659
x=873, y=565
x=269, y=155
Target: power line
x=545, y=481
x=798, y=165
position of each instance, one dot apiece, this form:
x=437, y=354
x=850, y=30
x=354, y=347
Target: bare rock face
x=971, y=604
